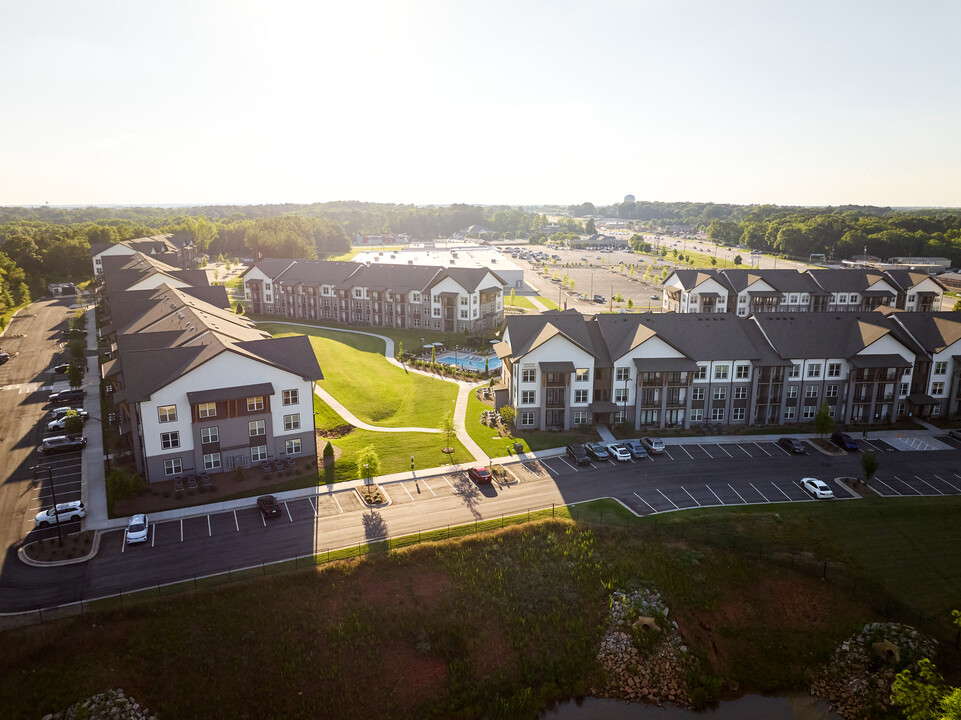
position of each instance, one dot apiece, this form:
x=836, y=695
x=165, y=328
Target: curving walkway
x=464, y=389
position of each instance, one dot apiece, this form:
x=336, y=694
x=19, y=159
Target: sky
x=487, y=102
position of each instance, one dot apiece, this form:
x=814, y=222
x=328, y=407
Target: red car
x=480, y=475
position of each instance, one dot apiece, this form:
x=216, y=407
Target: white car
x=653, y=445
x=817, y=488
x=61, y=422
x=63, y=512
x=619, y=452
x=137, y=529
x=61, y=411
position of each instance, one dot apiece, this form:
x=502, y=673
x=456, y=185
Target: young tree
x=823, y=422
x=450, y=432
x=400, y=349
x=368, y=465
x=73, y=423
x=513, y=296
x=630, y=303
x=433, y=355
x=737, y=260
x=869, y=464
x=508, y=414
x=713, y=261
x=75, y=376
x=328, y=453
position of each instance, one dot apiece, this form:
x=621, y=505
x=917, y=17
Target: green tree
x=400, y=349
x=957, y=306
x=869, y=464
x=513, y=297
x=72, y=423
x=450, y=432
x=630, y=303
x=590, y=228
x=433, y=355
x=368, y=464
x=737, y=260
x=920, y=695
x=823, y=422
x=618, y=298
x=328, y=453
x=75, y=376
x=508, y=414
x=713, y=261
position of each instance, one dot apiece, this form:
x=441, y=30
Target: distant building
x=61, y=289
x=382, y=239
x=173, y=248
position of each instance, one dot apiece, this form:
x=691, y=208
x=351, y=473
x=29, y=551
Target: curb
x=94, y=549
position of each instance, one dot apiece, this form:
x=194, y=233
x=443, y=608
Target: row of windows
x=211, y=434
x=168, y=413
x=212, y=461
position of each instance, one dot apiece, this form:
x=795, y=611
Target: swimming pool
x=471, y=362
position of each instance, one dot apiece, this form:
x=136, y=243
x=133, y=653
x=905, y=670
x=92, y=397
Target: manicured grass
x=550, y=304
x=358, y=375
x=519, y=301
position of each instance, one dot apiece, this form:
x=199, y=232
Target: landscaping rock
x=111, y=705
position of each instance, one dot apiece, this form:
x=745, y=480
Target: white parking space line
x=123, y=543
x=312, y=506
x=153, y=534
x=236, y=524
x=759, y=492
x=950, y=485
x=686, y=452
x=668, y=454
x=456, y=492
x=778, y=446
x=715, y=494
x=334, y=496
x=725, y=451
x=645, y=502
x=939, y=492
x=289, y=517
x=407, y=491
x=741, y=447
x=209, y=533
x=868, y=442
x=593, y=465
x=668, y=499
x=705, y=451
x=902, y=481
x=690, y=496
x=761, y=448
x=886, y=485
x=263, y=519
x=782, y=492
x=737, y=493
x=426, y=486
x=181, y=529
x=568, y=464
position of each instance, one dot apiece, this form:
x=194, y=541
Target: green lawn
x=550, y=304
x=358, y=375
x=519, y=301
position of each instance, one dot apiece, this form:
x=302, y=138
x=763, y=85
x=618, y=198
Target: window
x=697, y=414
x=292, y=447
x=910, y=298
x=721, y=372
x=580, y=417
x=620, y=417
x=809, y=411
x=935, y=410
x=904, y=389
x=831, y=410
x=463, y=300
x=697, y=393
x=814, y=371
x=169, y=440
x=701, y=373
x=842, y=298
x=436, y=314
x=811, y=391
x=717, y=414
x=256, y=428
x=789, y=412
x=358, y=292
x=793, y=299
x=173, y=466
x=620, y=395
x=255, y=403
x=167, y=413
x=742, y=372
x=834, y=369
x=737, y=414
x=527, y=418
x=623, y=374
x=831, y=391
x=212, y=461
x=940, y=367
x=463, y=314
x=415, y=297
x=291, y=397
x=694, y=298
x=527, y=397
x=258, y=453
x=937, y=388
x=528, y=374
x=720, y=393
x=209, y=435
x=740, y=393
x=207, y=410
x=582, y=374
x=792, y=391
x=292, y=422
x=795, y=370
x=580, y=396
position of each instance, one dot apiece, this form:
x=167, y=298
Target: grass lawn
x=548, y=303
x=358, y=375
x=519, y=301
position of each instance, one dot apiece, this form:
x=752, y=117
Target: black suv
x=792, y=446
x=578, y=454
x=843, y=441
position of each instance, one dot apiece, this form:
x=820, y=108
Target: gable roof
x=934, y=331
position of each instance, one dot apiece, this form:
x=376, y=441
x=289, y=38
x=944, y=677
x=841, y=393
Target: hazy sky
x=510, y=102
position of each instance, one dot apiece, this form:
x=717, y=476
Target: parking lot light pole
x=53, y=490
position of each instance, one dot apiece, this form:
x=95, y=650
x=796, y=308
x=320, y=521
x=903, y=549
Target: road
x=692, y=475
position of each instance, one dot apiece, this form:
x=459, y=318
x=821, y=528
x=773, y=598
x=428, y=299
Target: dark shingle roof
x=935, y=331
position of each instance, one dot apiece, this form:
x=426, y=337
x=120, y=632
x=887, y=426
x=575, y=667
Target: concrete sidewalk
x=93, y=489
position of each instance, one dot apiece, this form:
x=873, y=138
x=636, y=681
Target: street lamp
x=53, y=490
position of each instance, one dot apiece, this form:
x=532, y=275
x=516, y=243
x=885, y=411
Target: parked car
x=480, y=475
x=67, y=396
x=793, y=446
x=653, y=445
x=599, y=298
x=597, y=451
x=843, y=441
x=61, y=422
x=956, y=434
x=59, y=412
x=817, y=488
x=4, y=357
x=268, y=506
x=619, y=452
x=636, y=449
x=578, y=453
x=62, y=367
x=62, y=443
x=137, y=529
x=655, y=297
x=63, y=512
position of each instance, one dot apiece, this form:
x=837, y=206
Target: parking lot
x=63, y=471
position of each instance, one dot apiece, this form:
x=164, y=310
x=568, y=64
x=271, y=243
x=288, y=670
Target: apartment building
x=562, y=369
x=196, y=387
x=174, y=249
x=746, y=292
x=404, y=296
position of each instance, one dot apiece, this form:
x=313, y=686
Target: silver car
x=653, y=445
